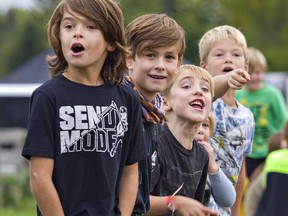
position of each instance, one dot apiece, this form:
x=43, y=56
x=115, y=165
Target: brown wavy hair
x=110, y=20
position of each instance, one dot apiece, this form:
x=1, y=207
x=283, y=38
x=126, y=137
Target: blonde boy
x=182, y=160
x=223, y=50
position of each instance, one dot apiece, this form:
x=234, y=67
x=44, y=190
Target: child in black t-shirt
x=181, y=160
x=85, y=134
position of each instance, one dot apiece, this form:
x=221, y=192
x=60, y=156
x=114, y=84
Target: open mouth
x=227, y=69
x=76, y=48
x=197, y=104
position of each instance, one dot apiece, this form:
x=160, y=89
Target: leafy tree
x=24, y=36
x=264, y=23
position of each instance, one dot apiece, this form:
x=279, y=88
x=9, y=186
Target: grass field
x=26, y=208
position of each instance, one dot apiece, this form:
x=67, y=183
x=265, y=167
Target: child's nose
x=200, y=132
x=197, y=91
x=78, y=32
x=228, y=58
x=160, y=65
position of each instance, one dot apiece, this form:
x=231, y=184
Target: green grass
x=27, y=207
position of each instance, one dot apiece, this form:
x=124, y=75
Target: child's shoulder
x=220, y=108
x=128, y=90
x=243, y=109
x=51, y=84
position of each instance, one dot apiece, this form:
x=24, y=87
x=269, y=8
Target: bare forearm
x=221, y=86
x=158, y=206
x=128, y=189
x=183, y=206
x=235, y=79
x=47, y=199
x=42, y=187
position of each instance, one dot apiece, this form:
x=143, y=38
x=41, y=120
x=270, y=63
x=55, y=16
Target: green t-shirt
x=270, y=114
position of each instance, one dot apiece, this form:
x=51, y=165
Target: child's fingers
x=245, y=75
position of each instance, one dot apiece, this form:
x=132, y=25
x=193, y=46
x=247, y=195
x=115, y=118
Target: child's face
x=83, y=44
x=190, y=97
x=225, y=56
x=153, y=70
x=256, y=79
x=203, y=132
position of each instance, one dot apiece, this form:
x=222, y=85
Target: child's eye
x=186, y=86
x=91, y=27
x=237, y=55
x=170, y=57
x=205, y=89
x=68, y=26
x=150, y=55
x=205, y=125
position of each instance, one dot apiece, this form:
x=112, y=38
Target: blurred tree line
x=264, y=23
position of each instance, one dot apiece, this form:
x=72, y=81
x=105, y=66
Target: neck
x=84, y=78
x=183, y=133
x=229, y=98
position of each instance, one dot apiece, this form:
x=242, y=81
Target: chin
x=253, y=87
x=157, y=89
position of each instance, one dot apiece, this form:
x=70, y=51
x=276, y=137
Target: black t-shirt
x=273, y=200
x=151, y=137
x=177, y=165
x=91, y=133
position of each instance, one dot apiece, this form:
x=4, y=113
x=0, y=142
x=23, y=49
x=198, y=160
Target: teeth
x=76, y=46
x=157, y=77
x=197, y=103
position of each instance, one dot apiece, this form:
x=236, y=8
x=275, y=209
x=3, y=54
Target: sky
x=24, y=4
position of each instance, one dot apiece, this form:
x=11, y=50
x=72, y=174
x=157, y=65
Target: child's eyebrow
x=67, y=18
x=172, y=52
x=187, y=77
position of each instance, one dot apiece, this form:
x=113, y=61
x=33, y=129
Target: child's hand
x=186, y=206
x=212, y=166
x=237, y=78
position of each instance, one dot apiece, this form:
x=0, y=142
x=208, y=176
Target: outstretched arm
x=128, y=189
x=235, y=79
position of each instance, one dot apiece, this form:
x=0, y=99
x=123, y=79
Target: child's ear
x=203, y=65
x=129, y=62
x=167, y=106
x=180, y=60
x=110, y=48
x=247, y=65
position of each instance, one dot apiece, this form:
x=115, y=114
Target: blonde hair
x=211, y=123
x=220, y=33
x=256, y=58
x=196, y=71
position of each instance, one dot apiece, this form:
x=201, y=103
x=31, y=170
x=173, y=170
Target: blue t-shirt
x=231, y=140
